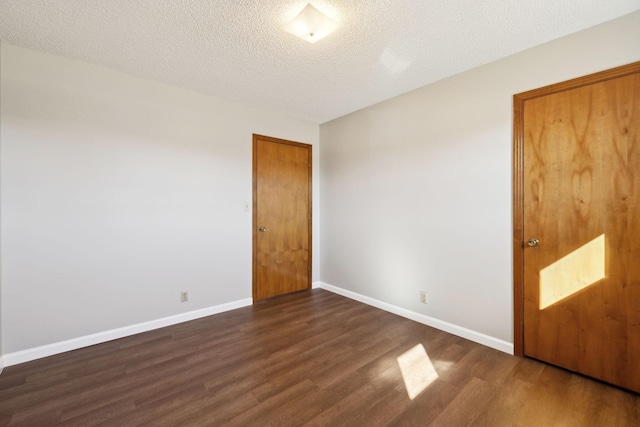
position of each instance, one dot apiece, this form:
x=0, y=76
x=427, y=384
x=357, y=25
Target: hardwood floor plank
x=509, y=406
x=218, y=405
x=310, y=358
x=351, y=406
x=468, y=404
x=427, y=405
x=353, y=360
x=276, y=407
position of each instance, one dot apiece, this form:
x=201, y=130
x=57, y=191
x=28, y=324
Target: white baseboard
x=474, y=336
x=100, y=337
x=23, y=356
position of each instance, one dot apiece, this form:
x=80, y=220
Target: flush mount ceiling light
x=311, y=25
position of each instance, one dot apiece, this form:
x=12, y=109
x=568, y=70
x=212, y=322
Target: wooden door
x=281, y=217
x=578, y=166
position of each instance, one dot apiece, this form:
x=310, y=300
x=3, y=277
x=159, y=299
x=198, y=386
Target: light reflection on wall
x=574, y=272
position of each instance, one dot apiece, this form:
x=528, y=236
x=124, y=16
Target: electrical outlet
x=184, y=296
x=423, y=297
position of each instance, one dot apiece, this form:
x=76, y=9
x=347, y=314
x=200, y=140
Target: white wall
x=416, y=191
x=117, y=194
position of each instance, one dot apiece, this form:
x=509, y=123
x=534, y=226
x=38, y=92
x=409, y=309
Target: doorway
x=577, y=225
x=281, y=217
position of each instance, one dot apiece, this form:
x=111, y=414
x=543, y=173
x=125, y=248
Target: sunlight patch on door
x=572, y=273
x=417, y=370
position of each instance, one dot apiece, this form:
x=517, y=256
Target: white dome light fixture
x=311, y=25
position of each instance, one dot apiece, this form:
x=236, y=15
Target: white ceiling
x=236, y=49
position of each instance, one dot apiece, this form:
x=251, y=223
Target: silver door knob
x=262, y=229
x=533, y=242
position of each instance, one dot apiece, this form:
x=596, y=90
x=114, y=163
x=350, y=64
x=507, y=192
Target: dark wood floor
x=312, y=358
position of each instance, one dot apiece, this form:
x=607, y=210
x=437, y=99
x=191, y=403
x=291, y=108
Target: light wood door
x=581, y=228
x=282, y=217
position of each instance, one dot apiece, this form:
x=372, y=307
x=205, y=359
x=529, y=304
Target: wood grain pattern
x=310, y=358
x=580, y=163
x=518, y=180
x=282, y=207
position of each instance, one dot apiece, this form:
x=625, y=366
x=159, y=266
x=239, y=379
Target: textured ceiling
x=237, y=50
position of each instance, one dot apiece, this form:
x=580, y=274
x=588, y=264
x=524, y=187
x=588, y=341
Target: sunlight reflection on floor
x=417, y=370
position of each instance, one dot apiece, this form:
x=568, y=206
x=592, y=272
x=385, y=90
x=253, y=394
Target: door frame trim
x=518, y=182
x=254, y=221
